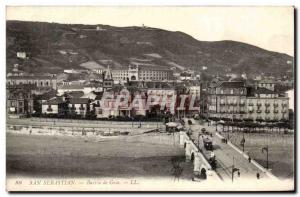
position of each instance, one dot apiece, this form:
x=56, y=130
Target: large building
x=227, y=100
x=233, y=100
x=138, y=72
x=19, y=99
x=40, y=81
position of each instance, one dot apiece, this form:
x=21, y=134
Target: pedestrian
x=249, y=159
x=239, y=174
x=257, y=175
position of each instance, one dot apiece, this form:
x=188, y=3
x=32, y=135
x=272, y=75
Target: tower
x=108, y=81
x=133, y=72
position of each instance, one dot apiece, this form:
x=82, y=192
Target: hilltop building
x=136, y=72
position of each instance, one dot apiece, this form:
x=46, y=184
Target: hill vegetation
x=53, y=47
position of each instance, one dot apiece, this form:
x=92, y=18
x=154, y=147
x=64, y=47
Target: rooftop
x=54, y=101
x=231, y=84
x=48, y=95
x=75, y=94
x=34, y=77
x=79, y=100
x=260, y=90
x=71, y=87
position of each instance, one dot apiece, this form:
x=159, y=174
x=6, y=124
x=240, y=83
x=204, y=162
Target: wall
x=53, y=107
x=191, y=150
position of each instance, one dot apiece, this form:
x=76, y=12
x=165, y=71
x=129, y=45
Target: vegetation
x=45, y=41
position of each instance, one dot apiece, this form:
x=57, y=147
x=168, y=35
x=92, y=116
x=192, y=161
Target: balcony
x=284, y=105
x=222, y=104
x=242, y=104
x=250, y=104
x=267, y=104
x=275, y=104
x=234, y=104
x=250, y=111
x=275, y=111
x=258, y=111
x=258, y=104
x=267, y=111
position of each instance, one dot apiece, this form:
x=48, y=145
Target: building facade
x=39, y=81
x=141, y=73
x=19, y=99
x=233, y=100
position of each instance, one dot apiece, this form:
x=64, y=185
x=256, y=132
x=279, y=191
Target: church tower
x=108, y=81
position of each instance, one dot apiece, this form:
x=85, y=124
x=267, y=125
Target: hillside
x=54, y=47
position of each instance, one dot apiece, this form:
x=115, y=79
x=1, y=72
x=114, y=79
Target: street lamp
x=199, y=134
x=233, y=169
x=266, y=148
x=243, y=142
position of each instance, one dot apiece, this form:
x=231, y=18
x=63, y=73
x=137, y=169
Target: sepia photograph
x=150, y=98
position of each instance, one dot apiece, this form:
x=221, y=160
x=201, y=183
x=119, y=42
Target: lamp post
x=132, y=122
x=243, y=142
x=233, y=169
x=199, y=134
x=266, y=148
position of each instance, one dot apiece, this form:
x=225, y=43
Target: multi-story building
x=141, y=73
x=19, y=99
x=265, y=104
x=227, y=100
x=40, y=81
x=268, y=84
x=233, y=100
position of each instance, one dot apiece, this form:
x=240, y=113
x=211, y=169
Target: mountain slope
x=54, y=47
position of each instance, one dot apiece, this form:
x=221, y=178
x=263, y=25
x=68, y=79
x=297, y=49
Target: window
x=49, y=109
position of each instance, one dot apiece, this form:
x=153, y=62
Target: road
x=82, y=123
x=226, y=157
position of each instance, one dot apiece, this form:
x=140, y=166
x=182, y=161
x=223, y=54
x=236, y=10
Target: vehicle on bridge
x=208, y=144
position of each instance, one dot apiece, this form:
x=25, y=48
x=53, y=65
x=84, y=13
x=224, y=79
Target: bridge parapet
x=193, y=154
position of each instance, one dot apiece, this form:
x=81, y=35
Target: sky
x=271, y=28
